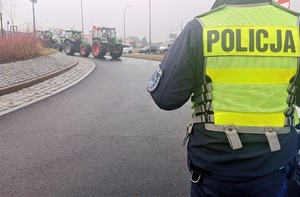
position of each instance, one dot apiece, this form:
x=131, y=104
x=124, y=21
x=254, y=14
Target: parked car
x=127, y=49
x=164, y=48
x=154, y=49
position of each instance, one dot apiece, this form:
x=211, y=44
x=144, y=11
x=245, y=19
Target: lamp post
x=149, y=26
x=124, y=20
x=1, y=19
x=33, y=2
x=2, y=31
x=82, y=27
x=182, y=22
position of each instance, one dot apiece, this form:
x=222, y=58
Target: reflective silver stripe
x=209, y=107
x=209, y=96
x=209, y=87
x=197, y=119
x=289, y=111
x=288, y=121
x=200, y=109
x=203, y=97
x=291, y=99
x=204, y=88
x=245, y=129
x=292, y=89
x=210, y=118
x=201, y=89
x=203, y=108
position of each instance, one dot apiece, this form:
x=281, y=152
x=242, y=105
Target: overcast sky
x=166, y=15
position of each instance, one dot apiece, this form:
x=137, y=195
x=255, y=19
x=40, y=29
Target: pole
x=2, y=32
x=149, y=26
x=33, y=1
x=82, y=20
x=124, y=21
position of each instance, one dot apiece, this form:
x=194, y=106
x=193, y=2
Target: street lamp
x=82, y=19
x=2, y=31
x=182, y=21
x=124, y=20
x=149, y=26
x=33, y=2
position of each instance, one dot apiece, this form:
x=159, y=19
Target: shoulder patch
x=154, y=80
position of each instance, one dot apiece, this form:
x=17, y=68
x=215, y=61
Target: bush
x=19, y=47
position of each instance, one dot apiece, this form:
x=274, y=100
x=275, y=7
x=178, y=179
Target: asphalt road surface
x=102, y=137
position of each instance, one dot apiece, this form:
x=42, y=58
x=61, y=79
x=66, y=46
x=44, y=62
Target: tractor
x=60, y=44
x=72, y=41
x=104, y=40
x=46, y=38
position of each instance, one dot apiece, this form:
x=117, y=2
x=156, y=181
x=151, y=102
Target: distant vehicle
x=46, y=39
x=105, y=40
x=153, y=49
x=127, y=49
x=71, y=41
x=165, y=48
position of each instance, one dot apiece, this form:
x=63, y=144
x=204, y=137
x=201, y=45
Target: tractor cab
x=105, y=40
x=46, y=38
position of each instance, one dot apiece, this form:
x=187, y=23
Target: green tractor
x=46, y=38
x=105, y=40
x=72, y=41
x=60, y=44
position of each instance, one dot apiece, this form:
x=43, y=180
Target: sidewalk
x=25, y=82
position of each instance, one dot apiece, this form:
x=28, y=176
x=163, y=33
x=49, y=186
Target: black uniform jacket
x=210, y=151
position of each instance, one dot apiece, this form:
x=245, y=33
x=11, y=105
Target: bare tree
x=144, y=41
x=1, y=17
x=2, y=2
x=11, y=6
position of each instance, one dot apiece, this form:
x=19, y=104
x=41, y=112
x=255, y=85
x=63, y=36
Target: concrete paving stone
x=3, y=103
x=17, y=72
x=14, y=104
x=28, y=99
x=10, y=74
x=3, y=108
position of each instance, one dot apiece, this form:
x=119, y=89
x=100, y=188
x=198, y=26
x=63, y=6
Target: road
x=101, y=137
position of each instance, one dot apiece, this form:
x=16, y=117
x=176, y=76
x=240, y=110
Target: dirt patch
x=48, y=51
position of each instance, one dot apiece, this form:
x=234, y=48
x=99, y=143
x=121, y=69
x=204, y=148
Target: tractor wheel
x=117, y=52
x=58, y=47
x=55, y=46
x=84, y=49
x=69, y=47
x=98, y=49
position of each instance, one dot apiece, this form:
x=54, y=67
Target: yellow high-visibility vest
x=251, y=56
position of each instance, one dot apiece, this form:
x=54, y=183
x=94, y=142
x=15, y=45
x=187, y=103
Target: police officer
x=239, y=64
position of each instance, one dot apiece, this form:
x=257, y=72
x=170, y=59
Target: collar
x=219, y=3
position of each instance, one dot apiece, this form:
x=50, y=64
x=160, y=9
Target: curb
x=52, y=93
x=28, y=83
